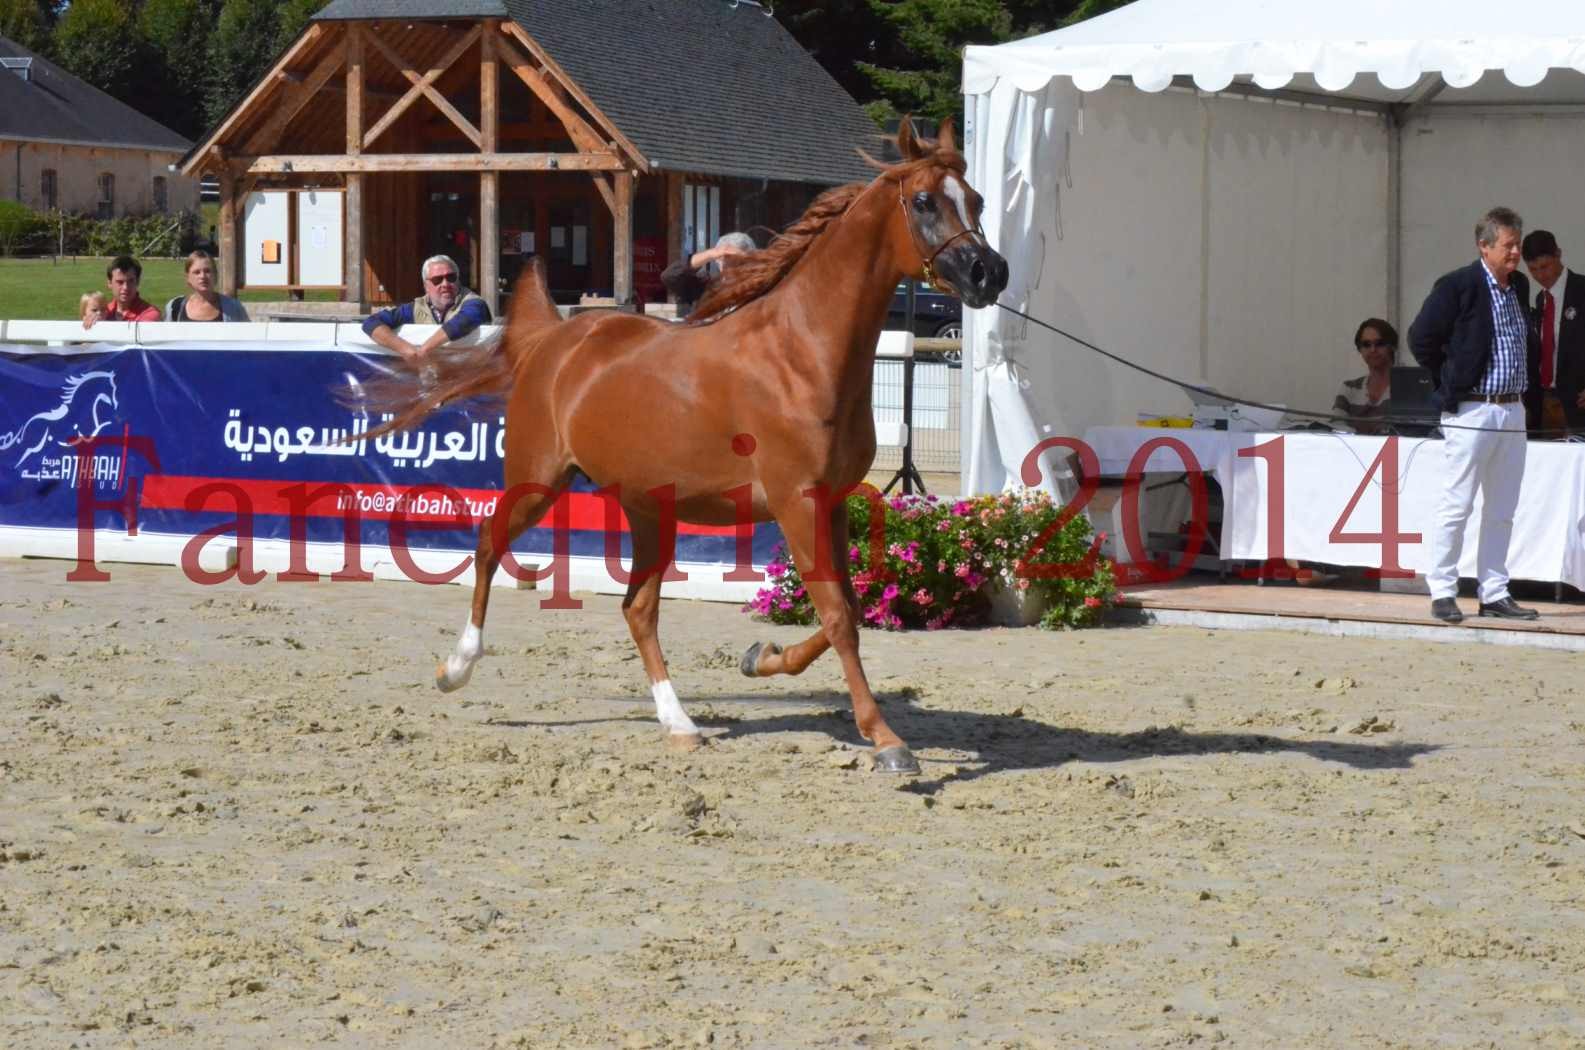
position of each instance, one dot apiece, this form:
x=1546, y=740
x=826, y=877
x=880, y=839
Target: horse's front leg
x=817, y=537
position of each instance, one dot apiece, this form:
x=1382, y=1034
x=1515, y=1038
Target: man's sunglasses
x=445, y=278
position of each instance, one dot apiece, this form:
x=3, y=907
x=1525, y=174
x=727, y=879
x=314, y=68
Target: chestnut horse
x=766, y=391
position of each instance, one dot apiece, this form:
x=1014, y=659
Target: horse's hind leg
x=641, y=609
x=515, y=511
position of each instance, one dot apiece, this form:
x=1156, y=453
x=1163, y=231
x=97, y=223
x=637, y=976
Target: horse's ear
x=907, y=140
x=946, y=138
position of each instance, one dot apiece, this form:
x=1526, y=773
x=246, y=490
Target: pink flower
x=890, y=592
x=854, y=554
x=775, y=570
x=961, y=571
x=941, y=566
x=1023, y=584
x=1092, y=602
x=922, y=596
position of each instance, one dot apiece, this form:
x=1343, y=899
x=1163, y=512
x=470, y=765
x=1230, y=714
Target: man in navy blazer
x=1556, y=401
x=1475, y=334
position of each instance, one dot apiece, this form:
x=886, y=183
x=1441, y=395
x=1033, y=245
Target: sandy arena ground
x=243, y=817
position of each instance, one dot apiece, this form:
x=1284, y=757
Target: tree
x=291, y=19
x=25, y=22
x=1090, y=8
x=926, y=78
x=840, y=34
x=241, y=48
x=98, y=41
x=177, y=32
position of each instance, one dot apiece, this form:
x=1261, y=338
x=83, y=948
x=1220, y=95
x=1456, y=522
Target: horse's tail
x=413, y=390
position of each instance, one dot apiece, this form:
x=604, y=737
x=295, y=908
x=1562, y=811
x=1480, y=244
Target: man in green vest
x=445, y=302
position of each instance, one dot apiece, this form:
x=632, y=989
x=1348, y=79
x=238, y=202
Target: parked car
x=936, y=316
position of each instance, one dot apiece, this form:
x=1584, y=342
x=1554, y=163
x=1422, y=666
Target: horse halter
x=929, y=263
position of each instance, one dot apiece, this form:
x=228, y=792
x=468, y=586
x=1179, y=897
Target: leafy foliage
x=241, y=48
x=97, y=41
x=924, y=78
x=941, y=563
x=177, y=36
x=27, y=232
x=26, y=22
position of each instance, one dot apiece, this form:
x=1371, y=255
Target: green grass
x=47, y=290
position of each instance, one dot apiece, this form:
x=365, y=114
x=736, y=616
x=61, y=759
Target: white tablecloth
x=1323, y=471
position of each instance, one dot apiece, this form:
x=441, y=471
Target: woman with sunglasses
x=1367, y=399
x=445, y=302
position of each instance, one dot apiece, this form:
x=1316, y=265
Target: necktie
x=1548, y=341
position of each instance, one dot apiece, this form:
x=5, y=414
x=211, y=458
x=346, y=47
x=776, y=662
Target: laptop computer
x=1414, y=409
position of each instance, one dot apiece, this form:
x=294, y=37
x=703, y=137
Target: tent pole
x=1205, y=239
x=1398, y=116
x=1395, y=220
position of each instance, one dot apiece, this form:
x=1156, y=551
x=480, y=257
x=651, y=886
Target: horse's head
x=85, y=396
x=942, y=213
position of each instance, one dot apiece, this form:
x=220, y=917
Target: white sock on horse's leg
x=459, y=665
x=669, y=710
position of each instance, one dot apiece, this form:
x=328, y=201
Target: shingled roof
x=51, y=105
x=716, y=87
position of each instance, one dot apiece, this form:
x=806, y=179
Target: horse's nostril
x=977, y=274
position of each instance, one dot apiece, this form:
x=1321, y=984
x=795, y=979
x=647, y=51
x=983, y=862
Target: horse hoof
x=443, y=681
x=750, y=663
x=684, y=742
x=896, y=760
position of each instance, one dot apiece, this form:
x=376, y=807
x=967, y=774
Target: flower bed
x=941, y=561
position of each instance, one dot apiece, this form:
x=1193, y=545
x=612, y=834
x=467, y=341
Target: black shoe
x=1446, y=610
x=1508, y=609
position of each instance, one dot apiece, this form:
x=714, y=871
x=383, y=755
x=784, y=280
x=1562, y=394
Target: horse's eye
x=924, y=203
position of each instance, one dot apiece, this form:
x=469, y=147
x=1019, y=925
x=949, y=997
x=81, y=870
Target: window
x=701, y=217
x=47, y=190
x=107, y=196
x=161, y=201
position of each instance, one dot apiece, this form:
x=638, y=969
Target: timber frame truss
x=249, y=148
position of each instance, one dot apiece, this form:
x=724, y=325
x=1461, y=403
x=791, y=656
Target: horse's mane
x=69, y=388
x=756, y=274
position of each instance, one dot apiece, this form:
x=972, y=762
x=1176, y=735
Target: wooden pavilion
x=604, y=136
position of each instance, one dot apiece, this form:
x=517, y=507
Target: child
x=91, y=307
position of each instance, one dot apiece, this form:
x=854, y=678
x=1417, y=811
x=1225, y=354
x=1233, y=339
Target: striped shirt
x=1505, y=371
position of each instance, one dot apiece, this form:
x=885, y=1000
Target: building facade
x=67, y=145
x=600, y=136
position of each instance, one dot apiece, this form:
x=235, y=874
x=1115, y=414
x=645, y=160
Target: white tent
x=1223, y=191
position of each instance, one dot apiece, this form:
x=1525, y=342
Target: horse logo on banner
x=76, y=419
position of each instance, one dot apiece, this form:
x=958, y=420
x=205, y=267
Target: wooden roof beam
x=517, y=33
x=333, y=163
x=528, y=72
x=293, y=99
x=205, y=158
x=424, y=85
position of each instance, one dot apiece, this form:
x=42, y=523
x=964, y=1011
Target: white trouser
x=1493, y=463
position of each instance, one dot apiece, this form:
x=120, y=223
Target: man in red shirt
x=123, y=276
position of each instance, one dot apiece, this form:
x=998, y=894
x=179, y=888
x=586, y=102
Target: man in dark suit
x=1555, y=401
x=1474, y=334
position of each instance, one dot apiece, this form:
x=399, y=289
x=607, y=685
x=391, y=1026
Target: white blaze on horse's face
x=954, y=191
x=954, y=251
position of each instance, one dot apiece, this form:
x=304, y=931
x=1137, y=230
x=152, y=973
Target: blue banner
x=179, y=437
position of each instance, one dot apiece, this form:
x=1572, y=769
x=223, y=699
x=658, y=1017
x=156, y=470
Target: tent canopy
x=1315, y=46
x=1222, y=191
